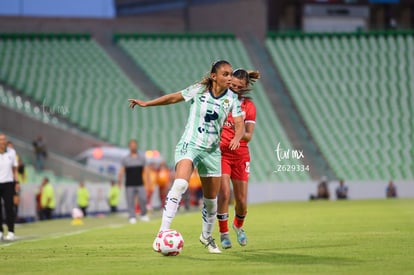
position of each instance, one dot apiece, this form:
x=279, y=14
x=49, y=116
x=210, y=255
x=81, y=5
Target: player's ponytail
x=207, y=81
x=253, y=76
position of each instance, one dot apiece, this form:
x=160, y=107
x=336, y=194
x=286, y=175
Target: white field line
x=36, y=238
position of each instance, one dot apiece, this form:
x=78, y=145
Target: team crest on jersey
x=226, y=104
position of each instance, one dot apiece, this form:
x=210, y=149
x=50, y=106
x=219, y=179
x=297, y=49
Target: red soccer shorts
x=236, y=164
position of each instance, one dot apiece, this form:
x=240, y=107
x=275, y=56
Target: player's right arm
x=163, y=100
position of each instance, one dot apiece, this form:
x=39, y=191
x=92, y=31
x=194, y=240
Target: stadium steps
x=135, y=74
x=185, y=58
x=286, y=110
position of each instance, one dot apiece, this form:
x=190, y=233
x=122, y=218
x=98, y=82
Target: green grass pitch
x=335, y=237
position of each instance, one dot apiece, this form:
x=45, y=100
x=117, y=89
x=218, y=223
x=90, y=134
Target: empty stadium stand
x=355, y=93
x=70, y=76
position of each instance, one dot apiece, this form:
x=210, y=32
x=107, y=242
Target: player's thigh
x=240, y=178
x=185, y=162
x=225, y=175
x=209, y=164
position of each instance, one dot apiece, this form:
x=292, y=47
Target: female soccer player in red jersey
x=235, y=164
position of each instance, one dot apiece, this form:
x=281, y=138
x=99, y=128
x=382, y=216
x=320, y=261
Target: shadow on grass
x=275, y=257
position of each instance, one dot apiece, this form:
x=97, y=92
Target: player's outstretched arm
x=239, y=133
x=163, y=100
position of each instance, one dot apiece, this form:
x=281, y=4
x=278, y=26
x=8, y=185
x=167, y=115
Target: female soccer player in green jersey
x=211, y=102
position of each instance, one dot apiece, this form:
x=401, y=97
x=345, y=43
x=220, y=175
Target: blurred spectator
x=83, y=198
x=113, y=197
x=21, y=171
x=134, y=168
x=322, y=191
x=40, y=152
x=391, y=191
x=16, y=196
x=342, y=191
x=8, y=183
x=47, y=200
x=195, y=190
x=163, y=181
x=38, y=199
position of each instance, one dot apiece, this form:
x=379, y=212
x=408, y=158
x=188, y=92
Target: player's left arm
x=250, y=122
x=248, y=134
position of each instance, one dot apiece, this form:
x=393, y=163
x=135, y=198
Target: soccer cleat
x=241, y=235
x=155, y=245
x=145, y=218
x=132, y=220
x=210, y=244
x=10, y=236
x=225, y=241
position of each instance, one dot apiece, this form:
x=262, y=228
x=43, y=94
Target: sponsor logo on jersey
x=210, y=116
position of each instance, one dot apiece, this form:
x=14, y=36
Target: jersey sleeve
x=250, y=113
x=14, y=158
x=191, y=91
x=236, y=108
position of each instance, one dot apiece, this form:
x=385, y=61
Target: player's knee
x=224, y=195
x=179, y=186
x=241, y=201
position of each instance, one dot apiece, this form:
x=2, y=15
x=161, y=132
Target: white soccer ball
x=77, y=213
x=170, y=242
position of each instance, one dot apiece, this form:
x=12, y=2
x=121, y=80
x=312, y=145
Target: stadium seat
x=352, y=93
x=68, y=75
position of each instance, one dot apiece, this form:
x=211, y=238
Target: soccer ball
x=170, y=242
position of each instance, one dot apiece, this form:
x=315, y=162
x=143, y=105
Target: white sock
x=209, y=213
x=172, y=202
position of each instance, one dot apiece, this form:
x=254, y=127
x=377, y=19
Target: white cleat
x=132, y=220
x=210, y=244
x=156, y=244
x=10, y=236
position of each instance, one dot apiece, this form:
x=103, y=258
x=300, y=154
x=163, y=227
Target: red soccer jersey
x=249, y=115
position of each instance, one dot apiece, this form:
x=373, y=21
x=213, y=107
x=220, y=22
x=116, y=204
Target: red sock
x=238, y=221
x=223, y=222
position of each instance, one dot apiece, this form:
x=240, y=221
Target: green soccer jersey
x=207, y=116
